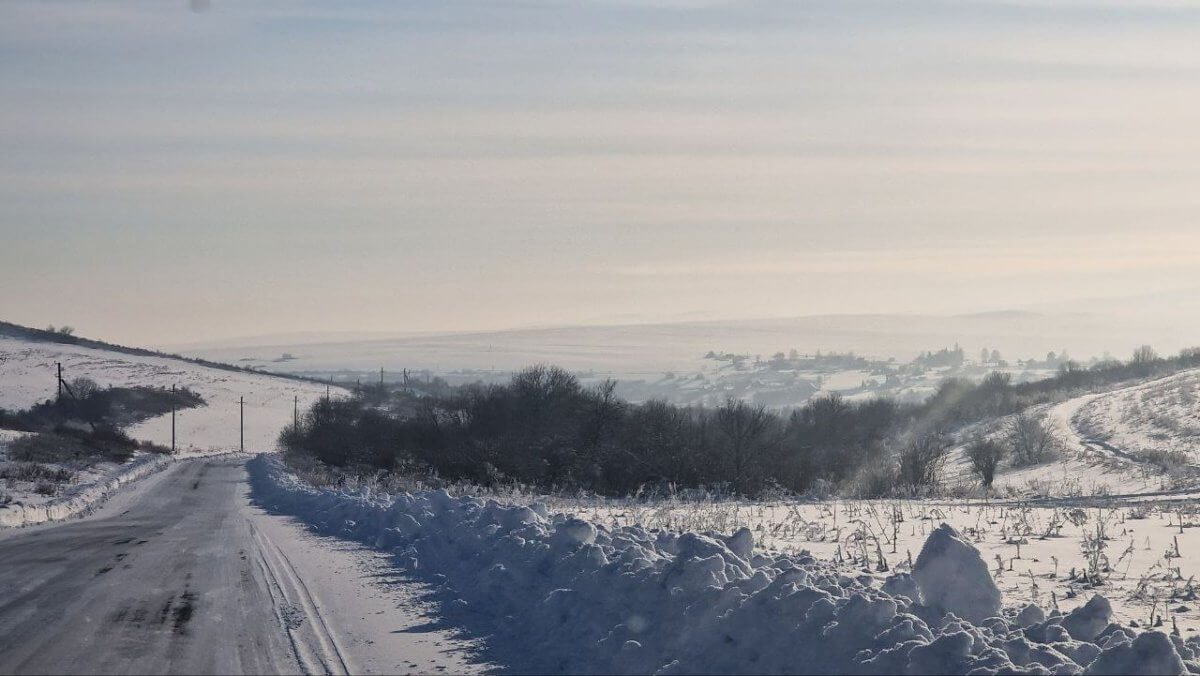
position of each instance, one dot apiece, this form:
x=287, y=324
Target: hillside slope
x=28, y=375
x=1111, y=442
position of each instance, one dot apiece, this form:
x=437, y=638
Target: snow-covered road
x=182, y=574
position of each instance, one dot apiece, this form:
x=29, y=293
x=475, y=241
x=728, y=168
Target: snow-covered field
x=28, y=370
x=1134, y=552
x=558, y=593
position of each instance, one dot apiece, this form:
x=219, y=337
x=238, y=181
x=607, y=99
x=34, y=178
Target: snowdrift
x=564, y=595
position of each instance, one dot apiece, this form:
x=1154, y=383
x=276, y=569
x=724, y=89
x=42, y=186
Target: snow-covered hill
x=1159, y=416
x=28, y=375
x=1111, y=442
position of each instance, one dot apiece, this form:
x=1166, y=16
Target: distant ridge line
x=10, y=330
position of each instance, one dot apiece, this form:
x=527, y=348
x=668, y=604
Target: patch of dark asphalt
x=182, y=612
x=166, y=610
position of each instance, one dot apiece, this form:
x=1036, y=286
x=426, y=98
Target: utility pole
x=381, y=376
x=242, y=422
x=172, y=420
x=59, y=379
x=296, y=413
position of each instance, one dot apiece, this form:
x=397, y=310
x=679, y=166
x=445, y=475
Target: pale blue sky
x=168, y=175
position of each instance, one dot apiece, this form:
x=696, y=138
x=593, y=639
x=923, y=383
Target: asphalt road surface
x=187, y=577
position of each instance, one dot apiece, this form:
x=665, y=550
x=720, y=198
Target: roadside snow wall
x=83, y=498
x=557, y=594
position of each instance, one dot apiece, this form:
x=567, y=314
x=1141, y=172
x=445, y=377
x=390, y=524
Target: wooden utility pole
x=242, y=423
x=172, y=420
x=59, y=379
x=296, y=413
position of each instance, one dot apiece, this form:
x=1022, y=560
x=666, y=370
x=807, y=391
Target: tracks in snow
x=314, y=644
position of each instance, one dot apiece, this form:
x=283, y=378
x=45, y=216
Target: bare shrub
x=84, y=388
x=47, y=448
x=33, y=472
x=1031, y=441
x=45, y=488
x=921, y=460
x=77, y=448
x=874, y=481
x=985, y=456
x=1174, y=463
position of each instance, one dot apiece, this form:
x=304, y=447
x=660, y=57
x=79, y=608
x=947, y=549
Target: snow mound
x=953, y=576
x=558, y=594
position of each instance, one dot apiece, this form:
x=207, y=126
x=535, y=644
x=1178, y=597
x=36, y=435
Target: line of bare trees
x=544, y=428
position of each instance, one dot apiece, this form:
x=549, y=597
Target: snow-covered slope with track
x=1159, y=416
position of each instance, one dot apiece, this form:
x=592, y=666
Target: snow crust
x=561, y=594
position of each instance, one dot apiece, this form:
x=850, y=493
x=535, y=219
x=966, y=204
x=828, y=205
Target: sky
x=174, y=172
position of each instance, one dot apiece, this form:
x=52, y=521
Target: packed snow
x=558, y=593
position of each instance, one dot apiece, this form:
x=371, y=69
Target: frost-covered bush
x=1031, y=440
x=985, y=456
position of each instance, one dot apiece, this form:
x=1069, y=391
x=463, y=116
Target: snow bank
x=82, y=497
x=560, y=594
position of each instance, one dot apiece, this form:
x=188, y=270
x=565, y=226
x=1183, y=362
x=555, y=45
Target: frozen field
x=1133, y=552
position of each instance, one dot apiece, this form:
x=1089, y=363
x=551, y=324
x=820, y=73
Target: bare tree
x=744, y=428
x=985, y=456
x=1031, y=440
x=1144, y=355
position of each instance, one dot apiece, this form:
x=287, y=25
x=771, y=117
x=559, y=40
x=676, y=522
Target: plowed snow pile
x=564, y=595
